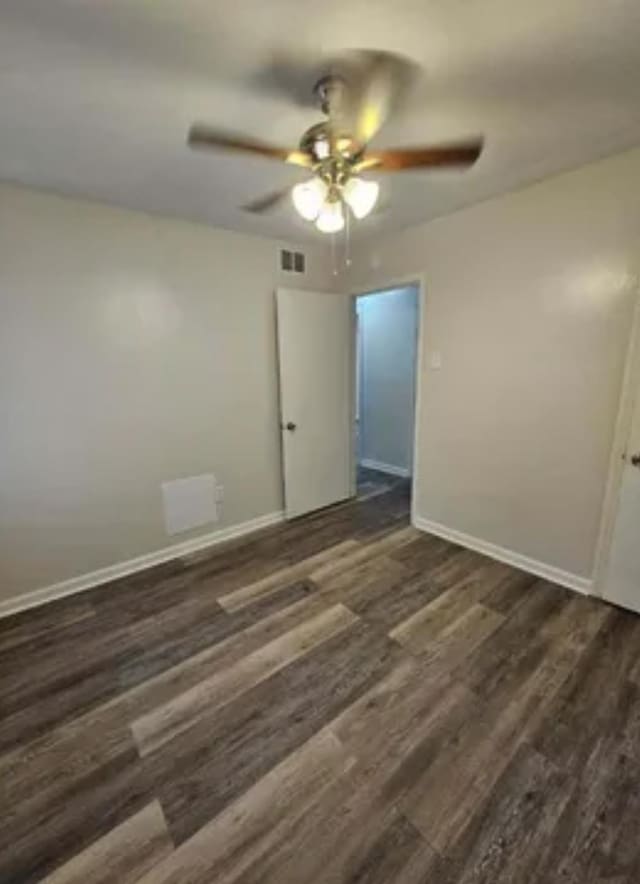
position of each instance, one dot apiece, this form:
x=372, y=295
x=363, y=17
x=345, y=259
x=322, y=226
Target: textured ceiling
x=96, y=97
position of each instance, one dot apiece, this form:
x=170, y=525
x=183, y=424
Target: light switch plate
x=435, y=361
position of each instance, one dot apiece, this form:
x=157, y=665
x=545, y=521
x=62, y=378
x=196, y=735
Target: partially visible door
x=622, y=577
x=315, y=346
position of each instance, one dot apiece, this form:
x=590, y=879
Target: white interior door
x=622, y=578
x=315, y=345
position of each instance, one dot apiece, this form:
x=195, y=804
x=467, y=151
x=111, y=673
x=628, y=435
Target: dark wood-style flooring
x=338, y=699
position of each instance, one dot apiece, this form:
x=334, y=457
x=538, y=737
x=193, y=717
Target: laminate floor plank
x=428, y=622
x=529, y=637
x=33, y=674
x=104, y=647
x=425, y=552
x=364, y=554
x=389, y=854
x=176, y=716
x=460, y=638
x=244, y=831
x=52, y=705
x=634, y=674
x=505, y=843
x=390, y=597
x=591, y=704
x=44, y=766
x=249, y=636
x=43, y=771
x=459, y=567
x=158, y=644
x=449, y=788
x=99, y=664
x=338, y=699
x=223, y=570
x=424, y=867
x=122, y=856
x=253, y=592
x=390, y=717
x=452, y=788
x=32, y=845
x=35, y=630
x=597, y=838
x=468, y=571
x=327, y=843
x=330, y=843
x=355, y=583
x=141, y=595
x=263, y=726
x=412, y=732
x=509, y=590
x=627, y=721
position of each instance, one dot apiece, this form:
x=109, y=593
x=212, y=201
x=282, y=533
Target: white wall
x=388, y=328
x=529, y=300
x=133, y=349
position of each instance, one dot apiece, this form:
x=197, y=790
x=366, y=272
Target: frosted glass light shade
x=331, y=218
x=309, y=197
x=361, y=196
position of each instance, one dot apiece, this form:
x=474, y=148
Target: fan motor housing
x=329, y=92
x=322, y=142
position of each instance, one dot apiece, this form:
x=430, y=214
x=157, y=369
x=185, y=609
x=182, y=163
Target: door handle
x=635, y=460
x=290, y=426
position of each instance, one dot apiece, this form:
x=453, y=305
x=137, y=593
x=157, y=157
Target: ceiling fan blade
x=268, y=202
x=375, y=86
x=201, y=136
x=463, y=154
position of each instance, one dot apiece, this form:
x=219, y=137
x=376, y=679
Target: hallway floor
x=372, y=482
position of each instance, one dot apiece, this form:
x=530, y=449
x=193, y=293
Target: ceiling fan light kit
x=322, y=202
x=357, y=96
x=309, y=198
x=331, y=217
x=361, y=196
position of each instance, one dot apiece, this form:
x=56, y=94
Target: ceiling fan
x=357, y=96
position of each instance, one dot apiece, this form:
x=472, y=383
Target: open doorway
x=386, y=358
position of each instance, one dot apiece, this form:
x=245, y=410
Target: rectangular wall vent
x=292, y=262
x=189, y=503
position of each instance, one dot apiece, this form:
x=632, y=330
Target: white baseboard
x=403, y=472
x=122, y=569
x=555, y=575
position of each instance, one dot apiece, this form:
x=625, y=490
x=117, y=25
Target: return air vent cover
x=292, y=262
x=189, y=503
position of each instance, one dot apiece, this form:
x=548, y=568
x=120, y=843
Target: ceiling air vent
x=292, y=262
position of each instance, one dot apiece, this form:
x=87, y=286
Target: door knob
x=291, y=427
x=635, y=460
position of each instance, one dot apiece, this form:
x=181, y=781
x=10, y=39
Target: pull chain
x=334, y=259
x=347, y=240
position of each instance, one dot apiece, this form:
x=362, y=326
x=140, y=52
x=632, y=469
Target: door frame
x=627, y=402
x=417, y=281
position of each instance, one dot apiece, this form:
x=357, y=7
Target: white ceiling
x=96, y=97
